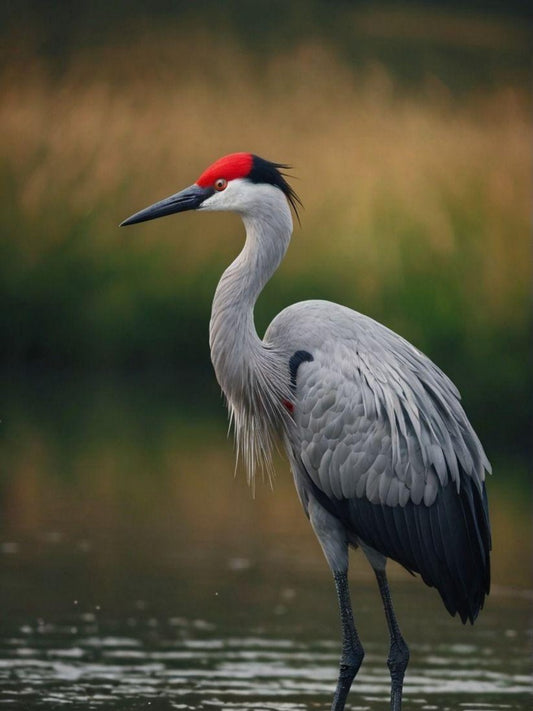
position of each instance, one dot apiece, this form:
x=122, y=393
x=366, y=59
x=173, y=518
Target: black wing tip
x=467, y=609
x=465, y=582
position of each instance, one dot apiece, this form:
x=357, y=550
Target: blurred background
x=408, y=129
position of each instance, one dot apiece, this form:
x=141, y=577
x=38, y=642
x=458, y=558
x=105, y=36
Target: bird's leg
x=399, y=651
x=352, y=649
x=333, y=539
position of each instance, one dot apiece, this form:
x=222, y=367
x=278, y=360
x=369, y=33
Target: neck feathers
x=249, y=371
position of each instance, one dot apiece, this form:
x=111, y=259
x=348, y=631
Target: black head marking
x=264, y=171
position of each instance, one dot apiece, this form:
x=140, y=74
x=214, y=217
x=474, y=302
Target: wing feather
x=384, y=444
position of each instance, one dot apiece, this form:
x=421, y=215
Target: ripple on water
x=42, y=670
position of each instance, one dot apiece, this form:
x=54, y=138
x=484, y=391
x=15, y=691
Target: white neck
x=249, y=372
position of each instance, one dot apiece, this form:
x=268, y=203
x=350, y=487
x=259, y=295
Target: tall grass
x=416, y=205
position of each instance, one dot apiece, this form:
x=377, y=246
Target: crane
x=381, y=451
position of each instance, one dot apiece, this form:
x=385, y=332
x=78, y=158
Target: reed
x=416, y=201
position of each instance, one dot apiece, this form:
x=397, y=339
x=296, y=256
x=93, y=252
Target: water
x=146, y=660
x=138, y=573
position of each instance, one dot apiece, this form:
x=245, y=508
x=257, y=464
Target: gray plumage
x=380, y=435
x=382, y=453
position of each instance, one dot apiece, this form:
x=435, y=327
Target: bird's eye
x=220, y=184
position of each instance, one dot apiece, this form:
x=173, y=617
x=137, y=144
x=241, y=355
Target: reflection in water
x=138, y=573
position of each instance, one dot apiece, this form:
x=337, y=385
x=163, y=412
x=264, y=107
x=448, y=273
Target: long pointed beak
x=189, y=199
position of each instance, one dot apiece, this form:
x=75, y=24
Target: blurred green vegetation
x=411, y=157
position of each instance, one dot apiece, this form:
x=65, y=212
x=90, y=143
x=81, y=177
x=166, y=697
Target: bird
x=382, y=454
